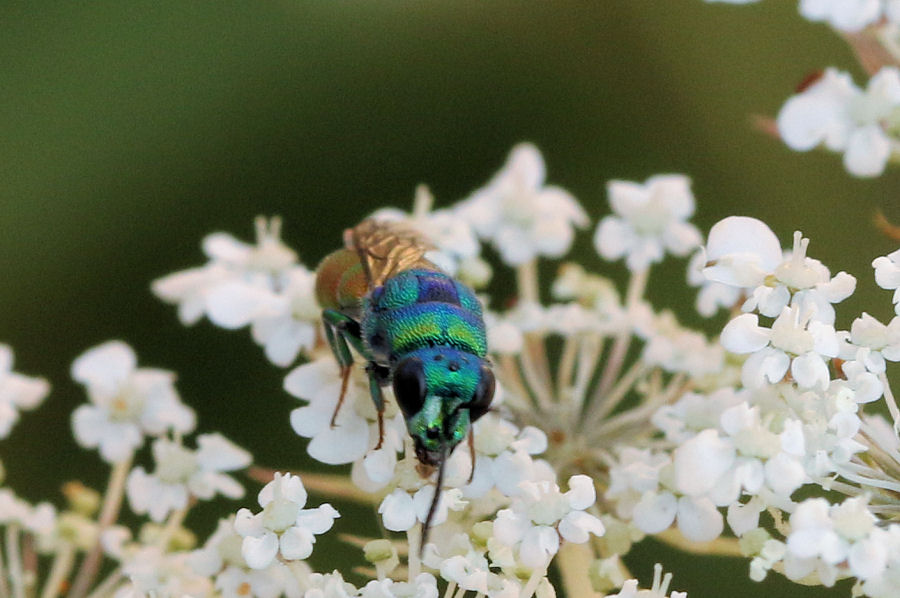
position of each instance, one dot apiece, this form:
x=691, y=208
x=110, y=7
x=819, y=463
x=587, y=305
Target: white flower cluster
x=260, y=285
x=17, y=392
x=794, y=419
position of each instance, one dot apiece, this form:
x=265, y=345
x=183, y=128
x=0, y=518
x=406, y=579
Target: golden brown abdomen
x=341, y=281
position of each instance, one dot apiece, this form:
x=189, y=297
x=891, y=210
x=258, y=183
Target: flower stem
x=539, y=385
x=566, y=369
x=414, y=538
x=527, y=282
x=573, y=561
x=589, y=352
x=531, y=585
x=112, y=502
x=636, y=286
x=512, y=378
x=59, y=570
x=423, y=202
x=451, y=587
x=105, y=587
x=172, y=524
x=890, y=401
x=14, y=561
x=597, y=411
x=4, y=588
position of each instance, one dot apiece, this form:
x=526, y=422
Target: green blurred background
x=131, y=130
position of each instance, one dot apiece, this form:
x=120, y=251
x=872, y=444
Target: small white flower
x=126, y=402
x=834, y=534
x=423, y=586
x=283, y=526
x=401, y=510
x=503, y=457
x=17, y=392
x=741, y=252
x=157, y=573
x=222, y=549
x=236, y=582
x=795, y=341
x=744, y=253
x=182, y=472
x=329, y=585
x=649, y=219
x=319, y=383
x=541, y=515
x=290, y=325
x=872, y=342
x=701, y=461
x=519, y=215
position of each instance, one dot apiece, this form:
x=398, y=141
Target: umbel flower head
x=611, y=421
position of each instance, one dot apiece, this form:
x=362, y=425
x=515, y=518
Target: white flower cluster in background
x=829, y=110
x=833, y=112
x=17, y=392
x=845, y=15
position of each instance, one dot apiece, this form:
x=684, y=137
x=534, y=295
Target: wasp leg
x=339, y=331
x=471, y=454
x=378, y=376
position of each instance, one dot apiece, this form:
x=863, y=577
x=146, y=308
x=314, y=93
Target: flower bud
x=383, y=555
x=83, y=500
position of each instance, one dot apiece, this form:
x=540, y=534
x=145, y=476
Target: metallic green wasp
x=417, y=328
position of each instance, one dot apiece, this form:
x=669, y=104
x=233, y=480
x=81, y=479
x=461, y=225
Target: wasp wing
x=387, y=248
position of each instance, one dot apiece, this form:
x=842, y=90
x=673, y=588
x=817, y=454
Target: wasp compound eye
x=409, y=385
x=484, y=393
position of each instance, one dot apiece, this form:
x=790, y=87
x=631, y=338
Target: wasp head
x=441, y=391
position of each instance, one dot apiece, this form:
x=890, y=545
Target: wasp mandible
x=418, y=329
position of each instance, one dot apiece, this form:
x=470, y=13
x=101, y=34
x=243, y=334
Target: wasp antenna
x=426, y=527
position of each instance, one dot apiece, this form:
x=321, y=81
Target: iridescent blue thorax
x=422, y=308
